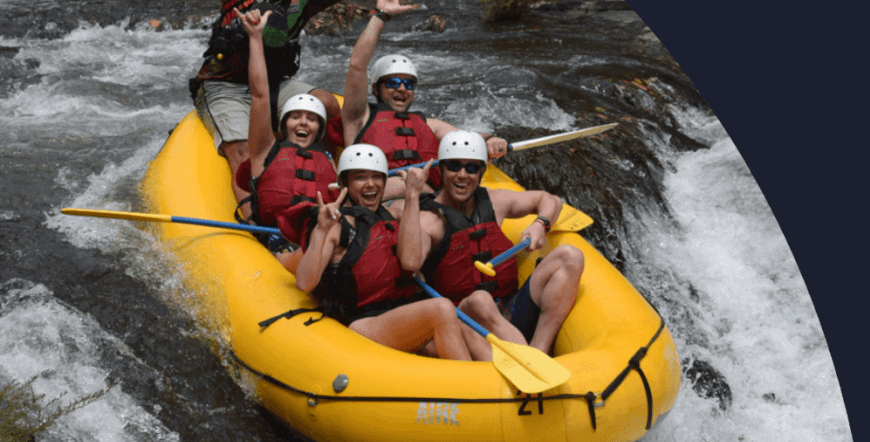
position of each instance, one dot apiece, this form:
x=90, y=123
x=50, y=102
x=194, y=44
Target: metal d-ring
x=596, y=403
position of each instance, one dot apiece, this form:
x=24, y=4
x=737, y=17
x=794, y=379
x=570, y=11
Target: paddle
x=529, y=369
x=528, y=144
x=558, y=138
x=487, y=268
x=169, y=219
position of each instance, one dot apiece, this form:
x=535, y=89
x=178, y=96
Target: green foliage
x=506, y=10
x=22, y=413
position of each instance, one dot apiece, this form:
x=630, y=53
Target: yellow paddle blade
x=118, y=215
x=571, y=220
x=486, y=269
x=528, y=368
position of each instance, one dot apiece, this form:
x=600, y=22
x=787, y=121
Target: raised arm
x=355, y=111
x=440, y=128
x=321, y=245
x=260, y=136
x=413, y=242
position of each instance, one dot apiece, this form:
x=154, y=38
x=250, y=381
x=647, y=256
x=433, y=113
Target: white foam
x=86, y=76
x=485, y=114
x=108, y=235
x=8, y=215
x=61, y=347
x=764, y=334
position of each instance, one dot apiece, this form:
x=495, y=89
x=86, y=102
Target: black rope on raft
x=633, y=364
x=314, y=398
x=291, y=313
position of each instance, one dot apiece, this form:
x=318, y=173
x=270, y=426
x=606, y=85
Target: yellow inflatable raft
x=330, y=383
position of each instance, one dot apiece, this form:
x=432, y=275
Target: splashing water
x=749, y=301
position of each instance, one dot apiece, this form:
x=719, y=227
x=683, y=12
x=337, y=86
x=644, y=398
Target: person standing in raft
x=282, y=173
x=354, y=255
x=220, y=89
x=461, y=224
x=405, y=137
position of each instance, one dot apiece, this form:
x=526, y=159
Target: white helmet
x=393, y=64
x=363, y=157
x=304, y=102
x=462, y=145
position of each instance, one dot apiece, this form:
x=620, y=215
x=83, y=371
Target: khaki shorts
x=225, y=107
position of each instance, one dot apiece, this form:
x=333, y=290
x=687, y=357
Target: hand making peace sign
x=329, y=215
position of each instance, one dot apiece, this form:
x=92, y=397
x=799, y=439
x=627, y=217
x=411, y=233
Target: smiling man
x=405, y=137
x=461, y=224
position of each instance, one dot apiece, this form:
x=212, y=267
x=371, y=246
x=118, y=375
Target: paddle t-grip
x=488, y=269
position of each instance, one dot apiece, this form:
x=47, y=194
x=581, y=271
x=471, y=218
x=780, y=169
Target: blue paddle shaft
x=462, y=316
x=394, y=172
x=226, y=225
x=510, y=252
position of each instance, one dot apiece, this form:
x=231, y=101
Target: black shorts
x=520, y=310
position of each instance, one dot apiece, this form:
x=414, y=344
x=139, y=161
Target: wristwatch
x=545, y=222
x=382, y=15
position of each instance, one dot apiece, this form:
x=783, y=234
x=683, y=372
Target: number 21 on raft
x=523, y=412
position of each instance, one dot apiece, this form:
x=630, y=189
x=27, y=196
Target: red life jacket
x=450, y=270
x=334, y=133
x=369, y=274
x=404, y=137
x=292, y=175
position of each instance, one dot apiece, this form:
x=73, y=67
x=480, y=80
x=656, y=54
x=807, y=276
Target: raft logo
x=434, y=413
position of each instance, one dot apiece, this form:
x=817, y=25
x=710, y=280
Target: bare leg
x=553, y=289
x=429, y=350
x=406, y=327
x=482, y=308
x=478, y=346
x=237, y=152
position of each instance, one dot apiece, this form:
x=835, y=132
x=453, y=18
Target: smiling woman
x=302, y=123
x=365, y=187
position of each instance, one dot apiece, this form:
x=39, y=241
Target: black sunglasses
x=456, y=166
x=394, y=82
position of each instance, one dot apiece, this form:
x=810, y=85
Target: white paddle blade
x=558, y=138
